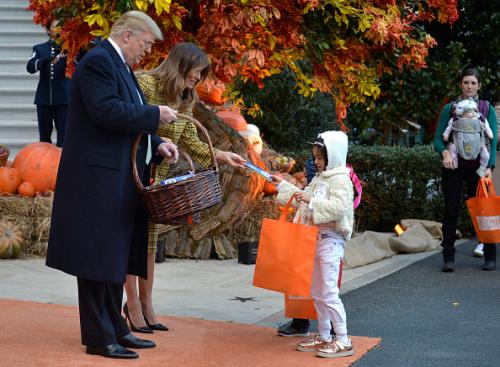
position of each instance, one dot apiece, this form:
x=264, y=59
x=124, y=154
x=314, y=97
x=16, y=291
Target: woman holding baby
x=455, y=174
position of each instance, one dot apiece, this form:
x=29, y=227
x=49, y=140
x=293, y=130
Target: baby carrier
x=468, y=133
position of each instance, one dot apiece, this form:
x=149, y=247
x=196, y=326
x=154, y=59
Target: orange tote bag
x=285, y=256
x=484, y=210
x=303, y=307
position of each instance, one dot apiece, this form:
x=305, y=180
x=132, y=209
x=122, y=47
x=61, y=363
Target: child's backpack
x=468, y=134
x=357, y=185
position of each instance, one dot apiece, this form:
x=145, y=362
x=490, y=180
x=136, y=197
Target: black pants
x=453, y=183
x=48, y=116
x=101, y=322
x=303, y=324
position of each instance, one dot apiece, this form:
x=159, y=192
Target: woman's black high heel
x=159, y=327
x=142, y=329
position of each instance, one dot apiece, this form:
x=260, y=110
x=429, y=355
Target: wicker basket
x=165, y=204
x=4, y=155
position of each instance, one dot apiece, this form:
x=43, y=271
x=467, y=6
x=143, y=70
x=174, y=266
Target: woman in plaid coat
x=172, y=83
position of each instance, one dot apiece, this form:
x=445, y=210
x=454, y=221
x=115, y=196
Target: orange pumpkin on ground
x=38, y=163
x=26, y=189
x=10, y=179
x=11, y=240
x=233, y=120
x=210, y=94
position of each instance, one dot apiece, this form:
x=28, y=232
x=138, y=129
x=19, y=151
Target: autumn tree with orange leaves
x=349, y=43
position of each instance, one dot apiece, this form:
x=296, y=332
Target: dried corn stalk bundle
x=222, y=227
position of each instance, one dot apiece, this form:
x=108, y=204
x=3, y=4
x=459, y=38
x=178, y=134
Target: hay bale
x=32, y=215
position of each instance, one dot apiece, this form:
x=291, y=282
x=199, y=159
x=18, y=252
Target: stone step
x=14, y=129
x=18, y=10
x=13, y=65
x=32, y=37
x=16, y=96
x=16, y=3
x=18, y=23
x=16, y=51
x=19, y=112
x=19, y=80
x=16, y=144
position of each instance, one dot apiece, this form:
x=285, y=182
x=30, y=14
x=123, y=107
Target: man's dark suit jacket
x=99, y=225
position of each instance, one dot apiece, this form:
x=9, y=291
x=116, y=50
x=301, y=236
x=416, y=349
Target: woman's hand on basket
x=230, y=158
x=169, y=151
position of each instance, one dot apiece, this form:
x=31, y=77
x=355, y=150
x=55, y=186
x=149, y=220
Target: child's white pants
x=325, y=291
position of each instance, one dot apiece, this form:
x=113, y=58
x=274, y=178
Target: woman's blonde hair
x=174, y=70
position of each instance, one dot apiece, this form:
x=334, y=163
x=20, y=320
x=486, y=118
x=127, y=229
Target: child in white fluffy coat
x=327, y=202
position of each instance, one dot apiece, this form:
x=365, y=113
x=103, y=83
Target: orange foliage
x=350, y=44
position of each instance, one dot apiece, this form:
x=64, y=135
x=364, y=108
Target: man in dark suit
x=52, y=92
x=99, y=225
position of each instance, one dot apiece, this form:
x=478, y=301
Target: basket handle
x=205, y=132
x=135, y=172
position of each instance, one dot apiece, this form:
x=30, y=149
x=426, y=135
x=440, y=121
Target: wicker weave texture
x=165, y=204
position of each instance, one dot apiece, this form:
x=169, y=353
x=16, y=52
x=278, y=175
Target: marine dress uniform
x=52, y=93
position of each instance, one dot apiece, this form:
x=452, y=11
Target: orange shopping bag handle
x=485, y=188
x=285, y=209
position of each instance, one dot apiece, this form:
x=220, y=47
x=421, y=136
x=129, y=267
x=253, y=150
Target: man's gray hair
x=136, y=21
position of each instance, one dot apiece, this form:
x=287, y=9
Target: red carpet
x=38, y=334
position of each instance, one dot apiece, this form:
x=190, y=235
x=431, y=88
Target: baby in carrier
x=468, y=128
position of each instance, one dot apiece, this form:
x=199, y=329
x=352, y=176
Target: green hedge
x=399, y=183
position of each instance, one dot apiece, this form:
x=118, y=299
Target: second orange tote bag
x=484, y=210
x=285, y=256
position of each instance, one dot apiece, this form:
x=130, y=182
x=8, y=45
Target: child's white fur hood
x=336, y=148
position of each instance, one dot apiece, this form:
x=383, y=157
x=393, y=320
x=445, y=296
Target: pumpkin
x=38, y=163
x=210, y=94
x=233, y=120
x=10, y=179
x=11, y=240
x=26, y=189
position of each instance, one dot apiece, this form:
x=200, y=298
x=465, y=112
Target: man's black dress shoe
x=112, y=351
x=131, y=341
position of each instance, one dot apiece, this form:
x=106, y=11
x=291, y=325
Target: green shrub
x=399, y=183
x=289, y=119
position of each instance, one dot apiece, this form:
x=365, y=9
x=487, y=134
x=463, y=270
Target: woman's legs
x=452, y=190
x=133, y=302
x=146, y=291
